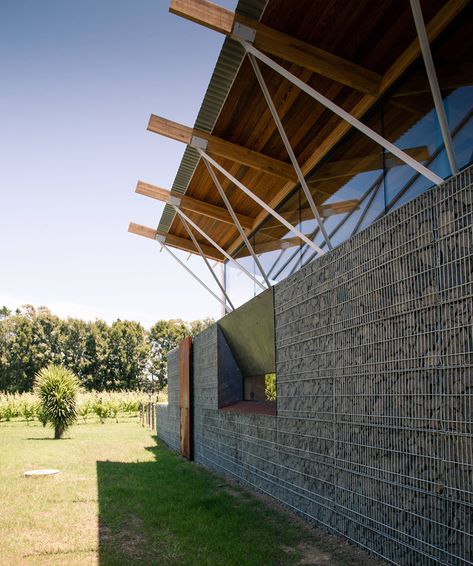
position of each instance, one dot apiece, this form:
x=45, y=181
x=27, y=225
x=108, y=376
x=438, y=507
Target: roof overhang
x=318, y=43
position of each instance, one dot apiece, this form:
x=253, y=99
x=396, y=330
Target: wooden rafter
x=295, y=216
x=273, y=245
x=222, y=148
x=191, y=204
x=175, y=241
x=339, y=207
x=279, y=44
x=451, y=77
x=355, y=165
x=439, y=22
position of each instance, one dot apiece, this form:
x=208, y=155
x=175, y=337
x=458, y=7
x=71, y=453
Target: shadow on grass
x=50, y=438
x=171, y=512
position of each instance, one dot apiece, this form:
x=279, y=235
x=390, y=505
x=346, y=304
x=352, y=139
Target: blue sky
x=79, y=79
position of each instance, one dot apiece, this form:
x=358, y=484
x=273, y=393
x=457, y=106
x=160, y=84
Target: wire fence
x=148, y=415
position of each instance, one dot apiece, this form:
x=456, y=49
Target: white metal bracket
x=261, y=202
x=290, y=151
x=219, y=248
x=206, y=261
x=236, y=221
x=321, y=99
x=199, y=143
x=240, y=31
x=160, y=238
x=175, y=201
x=434, y=84
x=180, y=262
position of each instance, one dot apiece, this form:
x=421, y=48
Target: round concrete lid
x=38, y=473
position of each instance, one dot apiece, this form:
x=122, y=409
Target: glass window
x=359, y=181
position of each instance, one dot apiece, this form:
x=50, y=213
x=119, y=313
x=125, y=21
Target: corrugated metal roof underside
x=224, y=74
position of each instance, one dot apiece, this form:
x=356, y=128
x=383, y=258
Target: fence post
x=156, y=409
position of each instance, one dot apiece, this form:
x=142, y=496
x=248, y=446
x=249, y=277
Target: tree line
x=105, y=357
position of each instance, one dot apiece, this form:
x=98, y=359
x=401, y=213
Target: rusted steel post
x=185, y=357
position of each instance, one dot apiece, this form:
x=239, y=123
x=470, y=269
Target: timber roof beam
x=222, y=148
x=326, y=210
x=447, y=13
x=370, y=162
x=273, y=245
x=279, y=44
x=298, y=215
x=194, y=205
x=184, y=244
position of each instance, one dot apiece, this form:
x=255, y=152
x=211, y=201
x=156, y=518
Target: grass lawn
x=123, y=499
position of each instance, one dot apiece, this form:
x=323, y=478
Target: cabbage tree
x=57, y=389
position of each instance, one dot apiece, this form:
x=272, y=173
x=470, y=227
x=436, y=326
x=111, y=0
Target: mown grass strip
x=124, y=498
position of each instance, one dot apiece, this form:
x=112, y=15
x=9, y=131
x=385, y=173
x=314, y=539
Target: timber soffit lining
x=226, y=69
x=315, y=130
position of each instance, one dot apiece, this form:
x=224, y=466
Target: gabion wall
x=373, y=437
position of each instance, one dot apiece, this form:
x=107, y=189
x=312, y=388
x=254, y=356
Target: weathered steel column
x=185, y=369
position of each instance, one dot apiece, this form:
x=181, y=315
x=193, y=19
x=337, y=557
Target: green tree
x=197, y=326
x=16, y=371
x=74, y=339
x=29, y=340
x=127, y=355
x=46, y=338
x=270, y=386
x=57, y=389
x=163, y=337
x=103, y=356
x=4, y=312
x=97, y=352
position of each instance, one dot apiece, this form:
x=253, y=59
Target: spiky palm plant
x=57, y=389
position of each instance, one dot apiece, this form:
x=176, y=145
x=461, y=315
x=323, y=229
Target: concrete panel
x=249, y=331
x=230, y=379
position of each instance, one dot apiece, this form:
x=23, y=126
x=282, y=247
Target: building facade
x=372, y=436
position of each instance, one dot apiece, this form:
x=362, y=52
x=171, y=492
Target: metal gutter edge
x=226, y=69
